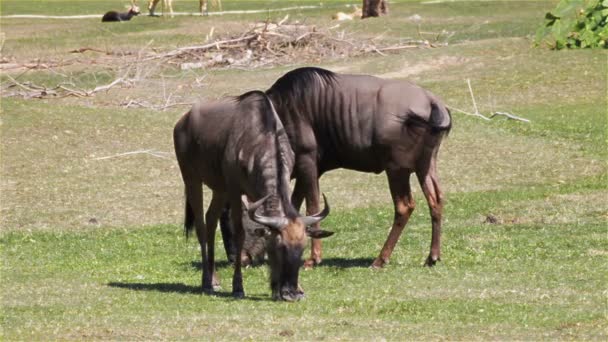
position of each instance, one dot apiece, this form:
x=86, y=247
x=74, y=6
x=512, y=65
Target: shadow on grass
x=329, y=262
x=218, y=264
x=179, y=288
x=346, y=263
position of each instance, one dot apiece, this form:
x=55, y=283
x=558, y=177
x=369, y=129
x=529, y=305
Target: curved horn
x=276, y=223
x=316, y=218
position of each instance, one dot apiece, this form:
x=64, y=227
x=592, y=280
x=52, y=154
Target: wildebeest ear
x=318, y=233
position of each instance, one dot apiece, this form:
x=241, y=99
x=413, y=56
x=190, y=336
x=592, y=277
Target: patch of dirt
x=409, y=69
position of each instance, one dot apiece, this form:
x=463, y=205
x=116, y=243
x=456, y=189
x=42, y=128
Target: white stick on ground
x=158, y=154
x=478, y=114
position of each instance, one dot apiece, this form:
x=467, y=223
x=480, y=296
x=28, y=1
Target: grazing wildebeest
x=120, y=16
x=238, y=147
x=367, y=124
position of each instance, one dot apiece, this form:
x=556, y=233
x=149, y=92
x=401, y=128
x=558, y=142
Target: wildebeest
x=367, y=124
x=236, y=147
x=121, y=16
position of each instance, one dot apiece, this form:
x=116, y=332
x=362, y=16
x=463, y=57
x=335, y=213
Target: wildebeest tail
x=441, y=118
x=188, y=218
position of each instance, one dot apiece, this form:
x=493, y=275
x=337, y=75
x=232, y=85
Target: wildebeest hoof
x=245, y=260
x=208, y=290
x=309, y=264
x=431, y=261
x=238, y=294
x=378, y=263
x=289, y=295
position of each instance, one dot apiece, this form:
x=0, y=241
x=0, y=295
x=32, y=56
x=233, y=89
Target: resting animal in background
x=239, y=149
x=121, y=16
x=344, y=16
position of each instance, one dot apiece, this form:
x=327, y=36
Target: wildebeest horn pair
x=279, y=223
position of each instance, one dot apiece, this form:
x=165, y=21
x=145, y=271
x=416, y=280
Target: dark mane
x=258, y=102
x=299, y=81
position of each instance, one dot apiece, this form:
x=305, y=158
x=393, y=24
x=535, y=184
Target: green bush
x=575, y=24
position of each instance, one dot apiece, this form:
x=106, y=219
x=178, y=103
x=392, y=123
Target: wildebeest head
x=286, y=240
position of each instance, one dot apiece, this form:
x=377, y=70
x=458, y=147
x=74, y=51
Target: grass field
x=93, y=249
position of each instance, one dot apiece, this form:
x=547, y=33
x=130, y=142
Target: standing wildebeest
x=238, y=147
x=367, y=124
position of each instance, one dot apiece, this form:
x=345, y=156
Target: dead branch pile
x=263, y=44
x=278, y=43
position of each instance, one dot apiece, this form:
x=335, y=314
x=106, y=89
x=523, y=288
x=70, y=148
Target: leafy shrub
x=576, y=24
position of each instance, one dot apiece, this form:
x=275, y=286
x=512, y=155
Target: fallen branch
x=509, y=116
x=154, y=153
x=143, y=104
x=85, y=49
x=216, y=44
x=452, y=108
x=476, y=112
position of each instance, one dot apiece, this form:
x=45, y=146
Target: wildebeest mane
x=258, y=100
x=296, y=83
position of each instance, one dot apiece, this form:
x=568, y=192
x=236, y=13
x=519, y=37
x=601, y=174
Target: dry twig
x=478, y=114
x=154, y=153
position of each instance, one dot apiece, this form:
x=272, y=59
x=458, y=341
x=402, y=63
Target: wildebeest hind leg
x=399, y=184
x=211, y=219
x=307, y=182
x=430, y=186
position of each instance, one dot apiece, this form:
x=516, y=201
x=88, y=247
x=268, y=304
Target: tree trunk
x=374, y=8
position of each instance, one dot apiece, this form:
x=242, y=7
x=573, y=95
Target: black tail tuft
x=188, y=219
x=441, y=118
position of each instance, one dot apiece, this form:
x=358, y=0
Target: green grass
x=538, y=273
x=498, y=281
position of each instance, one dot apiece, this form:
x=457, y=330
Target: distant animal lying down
x=347, y=16
x=120, y=16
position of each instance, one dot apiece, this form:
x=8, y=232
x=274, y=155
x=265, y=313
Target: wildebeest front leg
x=225, y=228
x=429, y=182
x=236, y=216
x=194, y=194
x=399, y=184
x=307, y=183
x=211, y=219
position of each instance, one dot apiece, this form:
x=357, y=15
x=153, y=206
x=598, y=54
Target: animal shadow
x=346, y=263
x=179, y=288
x=218, y=264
